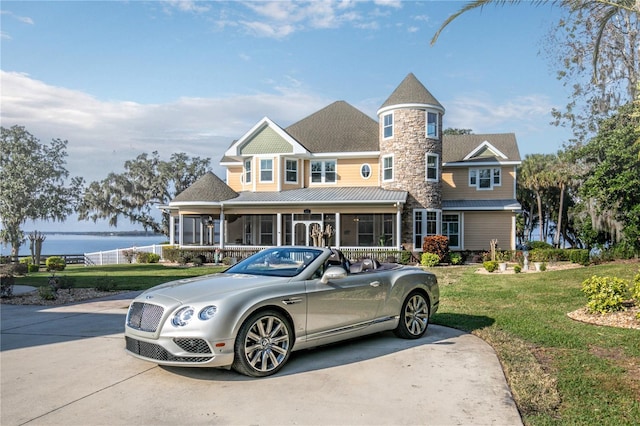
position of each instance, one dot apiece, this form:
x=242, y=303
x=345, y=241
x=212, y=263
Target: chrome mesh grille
x=196, y=346
x=157, y=352
x=144, y=316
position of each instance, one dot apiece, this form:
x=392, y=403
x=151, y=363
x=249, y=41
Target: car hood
x=210, y=286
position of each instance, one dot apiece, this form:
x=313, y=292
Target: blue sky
x=117, y=79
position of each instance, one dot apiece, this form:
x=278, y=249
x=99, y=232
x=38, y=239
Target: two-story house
x=385, y=183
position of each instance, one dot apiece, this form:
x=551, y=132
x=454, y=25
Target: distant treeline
x=107, y=233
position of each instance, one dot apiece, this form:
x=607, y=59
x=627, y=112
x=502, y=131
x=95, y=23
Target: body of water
x=85, y=243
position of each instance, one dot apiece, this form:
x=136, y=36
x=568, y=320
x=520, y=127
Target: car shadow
x=334, y=355
x=462, y=321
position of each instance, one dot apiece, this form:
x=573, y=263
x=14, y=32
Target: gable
x=500, y=147
x=267, y=141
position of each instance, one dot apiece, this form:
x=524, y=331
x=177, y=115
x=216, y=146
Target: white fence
x=117, y=256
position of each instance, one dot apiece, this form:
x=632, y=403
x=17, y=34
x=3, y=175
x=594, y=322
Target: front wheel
x=263, y=344
x=414, y=317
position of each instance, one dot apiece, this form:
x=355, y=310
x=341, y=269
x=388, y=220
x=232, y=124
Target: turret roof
x=411, y=91
x=208, y=188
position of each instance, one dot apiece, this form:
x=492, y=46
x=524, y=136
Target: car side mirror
x=333, y=273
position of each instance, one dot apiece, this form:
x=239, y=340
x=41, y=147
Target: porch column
x=222, y=228
x=181, y=230
x=172, y=230
x=338, y=230
x=398, y=225
x=279, y=229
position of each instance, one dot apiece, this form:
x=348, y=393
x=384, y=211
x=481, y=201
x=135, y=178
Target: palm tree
x=533, y=177
x=603, y=10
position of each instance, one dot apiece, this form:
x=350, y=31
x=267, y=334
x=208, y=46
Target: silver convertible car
x=253, y=315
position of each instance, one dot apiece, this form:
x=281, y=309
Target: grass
x=560, y=371
x=126, y=277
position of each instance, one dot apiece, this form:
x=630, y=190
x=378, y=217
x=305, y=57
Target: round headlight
x=208, y=312
x=183, y=316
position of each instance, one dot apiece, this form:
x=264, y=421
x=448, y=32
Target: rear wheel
x=414, y=317
x=263, y=344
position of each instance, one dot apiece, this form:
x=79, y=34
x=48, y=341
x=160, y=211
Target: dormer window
x=387, y=127
x=432, y=125
x=485, y=178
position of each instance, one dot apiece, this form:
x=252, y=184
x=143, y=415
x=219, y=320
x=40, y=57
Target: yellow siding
x=482, y=227
x=234, y=176
x=455, y=185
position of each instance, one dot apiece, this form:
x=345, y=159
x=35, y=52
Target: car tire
x=263, y=344
x=414, y=316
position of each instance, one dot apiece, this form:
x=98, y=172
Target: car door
x=343, y=304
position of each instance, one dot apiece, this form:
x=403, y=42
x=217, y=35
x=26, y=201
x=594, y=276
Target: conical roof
x=208, y=188
x=411, y=91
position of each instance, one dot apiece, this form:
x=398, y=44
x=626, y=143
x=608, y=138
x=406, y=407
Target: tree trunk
x=556, y=239
x=540, y=224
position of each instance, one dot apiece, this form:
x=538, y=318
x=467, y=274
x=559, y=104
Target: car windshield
x=277, y=262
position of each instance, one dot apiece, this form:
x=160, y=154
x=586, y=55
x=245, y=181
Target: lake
x=86, y=243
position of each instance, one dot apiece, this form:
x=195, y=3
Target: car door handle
x=375, y=284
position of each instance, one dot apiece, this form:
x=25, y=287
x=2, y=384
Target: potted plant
x=538, y=258
x=502, y=257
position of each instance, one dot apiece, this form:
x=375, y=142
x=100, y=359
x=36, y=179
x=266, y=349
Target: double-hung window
x=247, y=171
x=451, y=229
x=323, y=171
x=425, y=223
x=291, y=171
x=387, y=126
x=431, y=173
x=432, y=125
x=485, y=178
x=266, y=170
x=387, y=168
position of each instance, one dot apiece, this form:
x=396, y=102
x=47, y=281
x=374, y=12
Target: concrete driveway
x=66, y=365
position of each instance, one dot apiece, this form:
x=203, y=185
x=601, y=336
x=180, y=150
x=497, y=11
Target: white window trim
x=323, y=180
x=392, y=125
x=370, y=171
x=426, y=167
x=426, y=130
x=250, y=170
x=424, y=224
x=286, y=170
x=460, y=231
x=261, y=169
x=477, y=176
x=383, y=169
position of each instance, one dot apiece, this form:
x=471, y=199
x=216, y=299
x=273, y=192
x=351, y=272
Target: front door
x=302, y=232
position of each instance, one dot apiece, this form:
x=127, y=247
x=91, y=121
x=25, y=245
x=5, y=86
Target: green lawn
x=559, y=370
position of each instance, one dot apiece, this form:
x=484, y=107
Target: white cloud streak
x=102, y=135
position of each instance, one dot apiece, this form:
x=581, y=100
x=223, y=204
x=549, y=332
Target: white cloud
x=102, y=135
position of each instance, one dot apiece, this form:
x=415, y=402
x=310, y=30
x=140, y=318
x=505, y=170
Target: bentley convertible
x=253, y=315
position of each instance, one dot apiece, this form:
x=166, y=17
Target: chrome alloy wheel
x=267, y=343
x=416, y=315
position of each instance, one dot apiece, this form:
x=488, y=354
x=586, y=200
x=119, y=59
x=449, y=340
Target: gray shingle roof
x=338, y=127
x=456, y=147
x=338, y=195
x=411, y=91
x=209, y=188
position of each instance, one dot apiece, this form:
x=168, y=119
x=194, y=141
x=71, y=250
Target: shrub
x=580, y=256
x=436, y=244
x=105, y=283
x=129, y=255
x=490, y=265
x=197, y=261
x=55, y=263
x=635, y=288
x=605, y=294
x=20, y=268
x=64, y=282
x=538, y=255
x=539, y=245
x=517, y=269
x=405, y=257
x=429, y=259
x=33, y=268
x=456, y=258
x=46, y=293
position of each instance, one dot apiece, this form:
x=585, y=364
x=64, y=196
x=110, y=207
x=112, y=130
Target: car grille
x=196, y=346
x=144, y=316
x=157, y=352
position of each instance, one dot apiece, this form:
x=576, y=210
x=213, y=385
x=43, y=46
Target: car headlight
x=183, y=316
x=207, y=312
